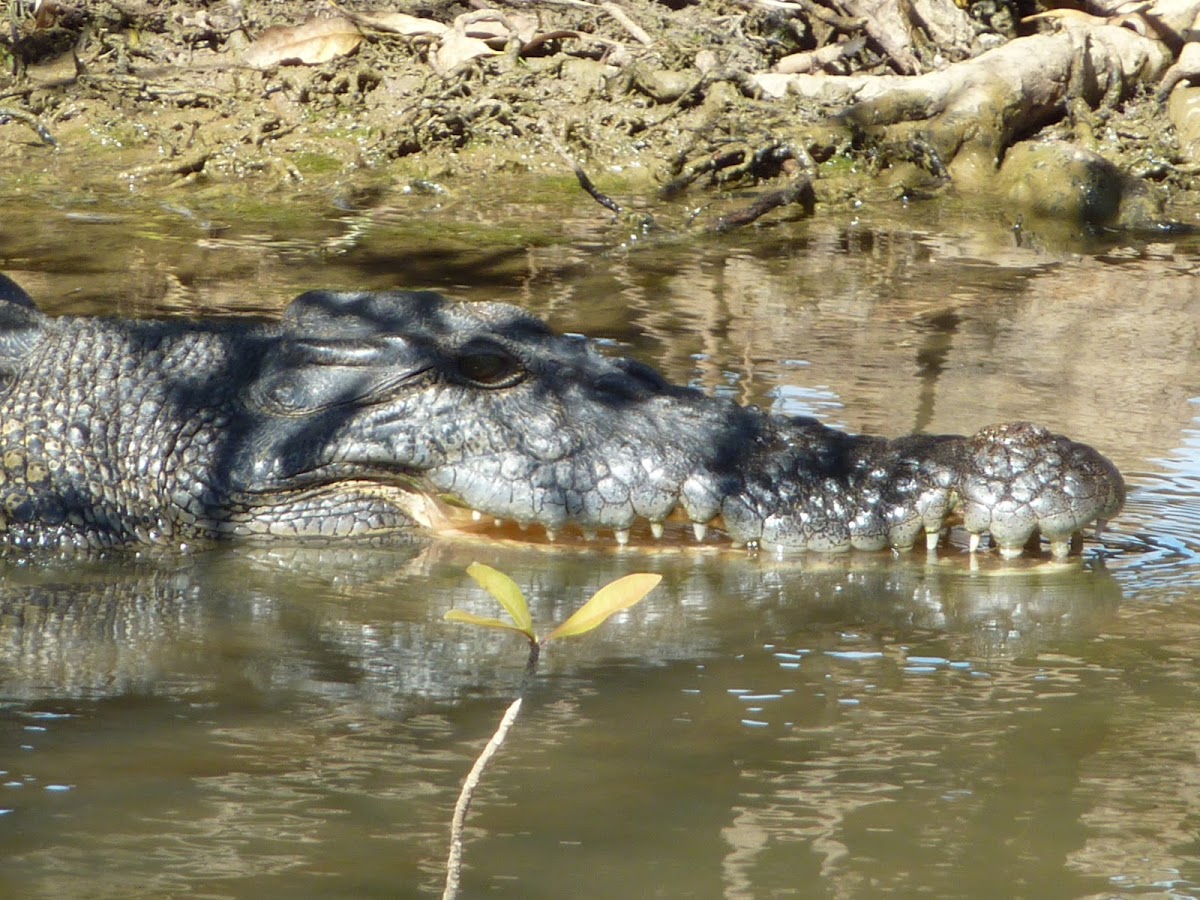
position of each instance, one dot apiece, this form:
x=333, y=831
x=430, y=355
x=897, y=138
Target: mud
x=654, y=103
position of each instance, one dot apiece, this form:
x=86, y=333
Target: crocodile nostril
x=621, y=387
x=632, y=381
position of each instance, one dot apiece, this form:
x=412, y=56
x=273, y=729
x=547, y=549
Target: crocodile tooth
x=1100, y=523
x=622, y=536
x=1060, y=549
x=498, y=522
x=1011, y=552
x=699, y=529
x=656, y=529
x=551, y=534
x=589, y=534
x=973, y=546
x=931, y=540
x=476, y=515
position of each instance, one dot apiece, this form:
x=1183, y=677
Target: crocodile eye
x=489, y=367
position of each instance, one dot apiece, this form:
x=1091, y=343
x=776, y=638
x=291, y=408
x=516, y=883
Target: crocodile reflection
x=358, y=628
x=313, y=693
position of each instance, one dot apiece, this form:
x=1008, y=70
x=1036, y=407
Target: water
x=296, y=722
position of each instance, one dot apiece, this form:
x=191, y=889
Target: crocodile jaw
x=1011, y=482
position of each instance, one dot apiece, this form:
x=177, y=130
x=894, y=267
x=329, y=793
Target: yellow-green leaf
x=460, y=615
x=505, y=590
x=614, y=597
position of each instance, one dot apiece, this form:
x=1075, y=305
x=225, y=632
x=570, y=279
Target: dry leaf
x=399, y=23
x=482, y=32
x=456, y=49
x=314, y=42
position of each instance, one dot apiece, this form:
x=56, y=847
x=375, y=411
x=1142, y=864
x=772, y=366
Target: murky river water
x=296, y=722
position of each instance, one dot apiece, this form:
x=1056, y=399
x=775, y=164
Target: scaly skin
x=365, y=413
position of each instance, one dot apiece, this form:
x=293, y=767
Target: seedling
x=612, y=598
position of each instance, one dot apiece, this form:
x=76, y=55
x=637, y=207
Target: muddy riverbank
x=682, y=116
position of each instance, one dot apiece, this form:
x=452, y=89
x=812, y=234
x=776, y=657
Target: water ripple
x=1159, y=530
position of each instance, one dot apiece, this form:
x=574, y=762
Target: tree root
x=971, y=111
x=959, y=123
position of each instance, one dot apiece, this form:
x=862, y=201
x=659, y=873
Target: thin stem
x=531, y=664
x=458, y=825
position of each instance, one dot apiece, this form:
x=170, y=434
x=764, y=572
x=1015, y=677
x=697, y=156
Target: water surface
x=296, y=721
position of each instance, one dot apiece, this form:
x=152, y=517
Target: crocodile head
x=481, y=408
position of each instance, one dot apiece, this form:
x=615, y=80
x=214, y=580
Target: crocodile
x=361, y=413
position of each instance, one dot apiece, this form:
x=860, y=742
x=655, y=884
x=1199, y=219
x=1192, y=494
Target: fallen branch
x=709, y=166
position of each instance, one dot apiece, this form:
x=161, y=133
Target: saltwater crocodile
x=372, y=413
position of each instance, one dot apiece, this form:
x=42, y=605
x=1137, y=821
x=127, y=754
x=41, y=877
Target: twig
x=818, y=60
x=582, y=177
x=458, y=824
x=181, y=165
x=603, y=199
x=799, y=192
x=639, y=34
x=538, y=40
x=32, y=121
x=150, y=89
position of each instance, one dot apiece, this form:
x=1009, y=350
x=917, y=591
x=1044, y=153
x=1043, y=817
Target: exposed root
x=971, y=111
